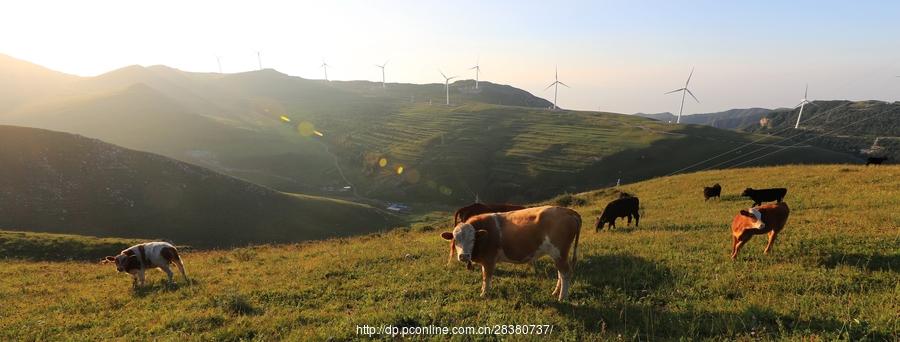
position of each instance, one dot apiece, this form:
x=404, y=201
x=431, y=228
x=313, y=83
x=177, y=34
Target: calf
x=520, y=237
x=464, y=213
x=765, y=195
x=621, y=207
x=137, y=258
x=875, y=160
x=712, y=191
x=766, y=219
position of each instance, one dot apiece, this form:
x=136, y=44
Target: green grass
x=61, y=183
x=833, y=275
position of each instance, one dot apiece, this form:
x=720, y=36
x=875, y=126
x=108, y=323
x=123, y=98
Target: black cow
x=712, y=191
x=621, y=207
x=875, y=160
x=765, y=195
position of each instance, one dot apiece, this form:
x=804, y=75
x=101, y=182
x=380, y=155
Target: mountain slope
x=500, y=153
x=319, y=137
x=21, y=81
x=831, y=276
x=57, y=182
x=844, y=126
x=729, y=119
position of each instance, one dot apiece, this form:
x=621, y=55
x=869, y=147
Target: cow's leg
x=141, y=277
x=169, y=274
x=629, y=220
x=740, y=243
x=134, y=280
x=772, y=236
x=564, y=274
x=637, y=219
x=487, y=273
x=734, y=242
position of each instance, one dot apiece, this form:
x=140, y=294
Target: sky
x=617, y=56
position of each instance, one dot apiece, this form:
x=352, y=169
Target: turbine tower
x=803, y=103
x=447, y=85
x=259, y=59
x=382, y=72
x=325, y=67
x=219, y=62
x=684, y=91
x=477, y=69
x=556, y=84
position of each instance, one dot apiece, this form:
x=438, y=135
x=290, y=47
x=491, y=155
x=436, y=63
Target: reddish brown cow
x=766, y=219
x=520, y=237
x=463, y=214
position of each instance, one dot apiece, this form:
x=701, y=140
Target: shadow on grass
x=161, y=285
x=649, y=321
x=636, y=290
x=874, y=262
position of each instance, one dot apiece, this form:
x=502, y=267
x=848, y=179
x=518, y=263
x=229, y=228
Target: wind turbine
x=556, y=84
x=382, y=72
x=684, y=91
x=477, y=69
x=447, y=85
x=259, y=59
x=325, y=67
x=803, y=103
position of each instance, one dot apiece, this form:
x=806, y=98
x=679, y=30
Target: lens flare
x=318, y=133
x=285, y=119
x=306, y=128
x=412, y=176
x=382, y=162
x=399, y=170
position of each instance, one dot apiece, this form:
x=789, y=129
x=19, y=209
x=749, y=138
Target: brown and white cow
x=464, y=213
x=765, y=219
x=138, y=258
x=519, y=237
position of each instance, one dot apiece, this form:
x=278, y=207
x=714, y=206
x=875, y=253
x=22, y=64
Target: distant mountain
x=59, y=182
x=844, y=126
x=729, y=119
x=395, y=143
x=21, y=81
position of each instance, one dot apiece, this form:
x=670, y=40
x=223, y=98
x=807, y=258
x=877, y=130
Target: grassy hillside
x=58, y=182
x=844, y=126
x=729, y=119
x=313, y=136
x=833, y=275
x=450, y=154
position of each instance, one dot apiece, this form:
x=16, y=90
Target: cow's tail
x=575, y=246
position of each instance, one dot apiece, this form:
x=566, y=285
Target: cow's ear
x=481, y=233
x=748, y=214
x=447, y=236
x=128, y=252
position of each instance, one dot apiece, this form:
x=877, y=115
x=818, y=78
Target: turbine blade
x=567, y=86
x=692, y=94
x=805, y=92
x=442, y=74
x=551, y=84
x=674, y=91
x=689, y=77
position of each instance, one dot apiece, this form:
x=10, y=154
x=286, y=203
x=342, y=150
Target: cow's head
x=463, y=237
x=121, y=261
x=755, y=218
x=600, y=223
x=747, y=192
